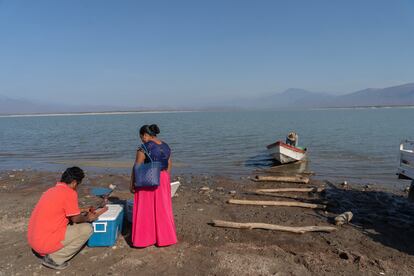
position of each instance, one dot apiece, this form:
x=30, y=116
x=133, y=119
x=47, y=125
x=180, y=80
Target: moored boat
x=406, y=168
x=285, y=153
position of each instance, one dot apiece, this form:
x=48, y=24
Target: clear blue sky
x=171, y=52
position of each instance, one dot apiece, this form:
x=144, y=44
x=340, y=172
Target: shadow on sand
x=127, y=226
x=385, y=217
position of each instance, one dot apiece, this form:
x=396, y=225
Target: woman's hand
x=132, y=189
x=169, y=165
x=92, y=216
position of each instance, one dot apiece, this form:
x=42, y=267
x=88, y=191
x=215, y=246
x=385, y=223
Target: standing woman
x=153, y=218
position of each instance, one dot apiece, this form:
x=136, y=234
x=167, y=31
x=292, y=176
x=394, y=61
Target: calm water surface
x=344, y=144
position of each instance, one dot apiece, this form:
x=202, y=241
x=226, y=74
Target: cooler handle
x=99, y=223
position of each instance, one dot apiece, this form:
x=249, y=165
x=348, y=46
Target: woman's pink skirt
x=153, y=218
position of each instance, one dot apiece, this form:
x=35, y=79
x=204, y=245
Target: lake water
x=344, y=144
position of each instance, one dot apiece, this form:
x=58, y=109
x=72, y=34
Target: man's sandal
x=48, y=262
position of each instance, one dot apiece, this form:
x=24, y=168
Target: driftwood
x=290, y=179
x=275, y=195
x=343, y=218
x=283, y=190
x=276, y=203
x=294, y=197
x=255, y=225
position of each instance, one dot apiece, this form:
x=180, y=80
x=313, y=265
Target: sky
x=146, y=53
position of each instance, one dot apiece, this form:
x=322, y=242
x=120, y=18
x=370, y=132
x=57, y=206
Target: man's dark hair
x=73, y=173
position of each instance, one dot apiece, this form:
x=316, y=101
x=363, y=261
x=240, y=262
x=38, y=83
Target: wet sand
x=379, y=240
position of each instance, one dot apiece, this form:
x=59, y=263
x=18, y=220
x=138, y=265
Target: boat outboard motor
x=411, y=192
x=292, y=139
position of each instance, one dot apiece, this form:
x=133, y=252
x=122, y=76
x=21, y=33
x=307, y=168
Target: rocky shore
x=378, y=241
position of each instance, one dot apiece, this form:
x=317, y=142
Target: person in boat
x=292, y=139
x=57, y=229
x=152, y=217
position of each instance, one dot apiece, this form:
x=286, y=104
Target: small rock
x=200, y=209
x=343, y=255
x=345, y=183
x=11, y=175
x=232, y=192
x=205, y=189
x=114, y=247
x=220, y=189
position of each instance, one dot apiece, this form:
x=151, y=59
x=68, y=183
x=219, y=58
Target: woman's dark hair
x=73, y=173
x=151, y=130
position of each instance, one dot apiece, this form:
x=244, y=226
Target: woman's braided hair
x=151, y=130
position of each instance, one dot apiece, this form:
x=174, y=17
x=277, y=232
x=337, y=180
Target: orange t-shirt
x=47, y=225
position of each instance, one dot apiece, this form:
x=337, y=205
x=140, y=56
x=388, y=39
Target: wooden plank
x=276, y=203
x=286, y=190
x=289, y=179
x=256, y=225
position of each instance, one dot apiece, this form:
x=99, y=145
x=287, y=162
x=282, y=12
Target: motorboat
x=406, y=168
x=287, y=152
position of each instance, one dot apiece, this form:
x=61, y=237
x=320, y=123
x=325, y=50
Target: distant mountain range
x=13, y=106
x=390, y=96
x=401, y=95
x=23, y=106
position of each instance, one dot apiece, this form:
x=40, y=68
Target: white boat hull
x=406, y=168
x=284, y=153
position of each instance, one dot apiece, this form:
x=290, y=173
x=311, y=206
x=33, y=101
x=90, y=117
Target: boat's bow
x=285, y=153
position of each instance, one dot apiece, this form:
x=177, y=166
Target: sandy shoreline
x=379, y=241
